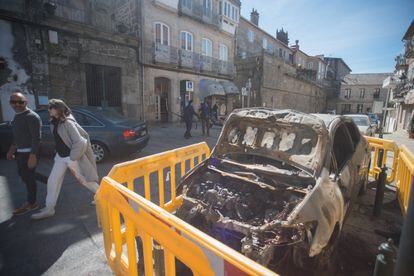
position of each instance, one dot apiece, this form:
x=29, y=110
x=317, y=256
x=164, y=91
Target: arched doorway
x=162, y=94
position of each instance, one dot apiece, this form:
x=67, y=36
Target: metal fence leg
x=379, y=195
x=384, y=265
x=405, y=263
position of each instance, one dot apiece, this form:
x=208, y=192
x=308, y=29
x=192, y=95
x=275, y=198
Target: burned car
x=278, y=184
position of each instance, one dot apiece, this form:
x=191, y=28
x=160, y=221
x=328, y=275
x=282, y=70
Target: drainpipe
x=139, y=15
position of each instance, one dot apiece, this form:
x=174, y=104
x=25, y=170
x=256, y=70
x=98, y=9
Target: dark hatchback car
x=110, y=132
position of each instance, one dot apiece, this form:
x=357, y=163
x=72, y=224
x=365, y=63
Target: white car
x=364, y=124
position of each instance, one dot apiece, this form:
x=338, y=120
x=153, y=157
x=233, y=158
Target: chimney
x=254, y=17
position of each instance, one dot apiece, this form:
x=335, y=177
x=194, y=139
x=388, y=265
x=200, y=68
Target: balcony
x=196, y=11
x=409, y=48
x=400, y=63
x=172, y=57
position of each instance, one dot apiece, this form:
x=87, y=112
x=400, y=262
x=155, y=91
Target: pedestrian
x=215, y=112
x=26, y=128
x=189, y=112
x=205, y=115
x=73, y=152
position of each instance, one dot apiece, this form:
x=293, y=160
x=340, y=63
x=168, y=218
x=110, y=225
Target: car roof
x=326, y=118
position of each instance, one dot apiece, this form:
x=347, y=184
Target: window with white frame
x=162, y=34
x=310, y=65
x=362, y=93
x=264, y=43
x=207, y=7
x=250, y=36
x=347, y=93
x=206, y=47
x=223, y=52
x=186, y=41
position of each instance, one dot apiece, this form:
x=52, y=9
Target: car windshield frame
x=311, y=162
x=358, y=119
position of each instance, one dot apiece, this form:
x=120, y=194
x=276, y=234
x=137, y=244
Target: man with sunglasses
x=26, y=128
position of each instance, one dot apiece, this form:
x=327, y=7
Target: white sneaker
x=44, y=213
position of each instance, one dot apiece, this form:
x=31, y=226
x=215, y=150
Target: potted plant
x=411, y=128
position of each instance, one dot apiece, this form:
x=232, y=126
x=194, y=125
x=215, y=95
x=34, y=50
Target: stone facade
x=362, y=93
x=53, y=48
x=278, y=74
x=168, y=63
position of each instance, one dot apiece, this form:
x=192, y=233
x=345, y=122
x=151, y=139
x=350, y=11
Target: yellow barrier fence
x=127, y=217
x=404, y=181
x=389, y=148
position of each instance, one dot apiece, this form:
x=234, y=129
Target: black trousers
x=29, y=176
x=188, y=125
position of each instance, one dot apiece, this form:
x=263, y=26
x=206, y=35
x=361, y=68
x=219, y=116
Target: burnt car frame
x=278, y=184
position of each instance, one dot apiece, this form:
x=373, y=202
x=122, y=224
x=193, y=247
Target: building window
x=360, y=108
x=186, y=41
x=280, y=52
x=223, y=54
x=186, y=3
x=206, y=47
x=346, y=108
x=162, y=34
x=377, y=93
x=250, y=36
x=310, y=65
x=362, y=93
x=220, y=8
x=264, y=43
x=207, y=8
x=347, y=93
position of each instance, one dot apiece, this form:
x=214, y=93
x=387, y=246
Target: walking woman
x=73, y=152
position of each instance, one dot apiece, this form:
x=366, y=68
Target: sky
x=366, y=34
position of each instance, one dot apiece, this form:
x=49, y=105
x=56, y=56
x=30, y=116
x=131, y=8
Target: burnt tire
x=100, y=151
x=321, y=261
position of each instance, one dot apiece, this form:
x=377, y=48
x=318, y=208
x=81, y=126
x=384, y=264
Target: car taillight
x=129, y=133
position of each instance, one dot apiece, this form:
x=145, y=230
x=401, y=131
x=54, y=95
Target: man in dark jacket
x=26, y=128
x=205, y=115
x=188, y=118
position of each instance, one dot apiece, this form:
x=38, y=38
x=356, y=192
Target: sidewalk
x=401, y=138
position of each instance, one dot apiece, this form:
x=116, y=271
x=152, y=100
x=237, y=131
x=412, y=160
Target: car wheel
x=100, y=151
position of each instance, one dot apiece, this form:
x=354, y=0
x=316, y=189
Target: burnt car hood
x=289, y=136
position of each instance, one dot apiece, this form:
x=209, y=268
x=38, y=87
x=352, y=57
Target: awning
x=211, y=88
x=229, y=87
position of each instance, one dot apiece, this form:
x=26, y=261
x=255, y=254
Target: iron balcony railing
x=166, y=55
x=196, y=10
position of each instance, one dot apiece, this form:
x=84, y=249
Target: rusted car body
x=278, y=184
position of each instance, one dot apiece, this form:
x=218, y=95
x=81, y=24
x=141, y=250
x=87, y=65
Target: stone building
x=84, y=52
x=187, y=54
x=336, y=70
x=276, y=72
x=403, y=93
x=362, y=93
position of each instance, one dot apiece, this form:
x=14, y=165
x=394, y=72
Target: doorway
x=162, y=92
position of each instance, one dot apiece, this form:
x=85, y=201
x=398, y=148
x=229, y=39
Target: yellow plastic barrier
x=404, y=181
x=377, y=144
x=125, y=215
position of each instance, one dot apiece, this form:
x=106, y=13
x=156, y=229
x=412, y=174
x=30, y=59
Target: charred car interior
x=273, y=188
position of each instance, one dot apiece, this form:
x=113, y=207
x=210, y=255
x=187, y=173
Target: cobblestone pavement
x=71, y=243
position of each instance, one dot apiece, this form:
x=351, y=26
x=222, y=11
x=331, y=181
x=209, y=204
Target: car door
x=361, y=156
x=343, y=162
x=48, y=143
x=91, y=125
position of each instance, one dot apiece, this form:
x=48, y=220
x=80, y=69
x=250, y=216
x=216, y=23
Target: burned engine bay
x=245, y=206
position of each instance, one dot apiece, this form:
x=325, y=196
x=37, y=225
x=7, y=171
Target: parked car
x=364, y=124
x=110, y=132
x=278, y=184
x=6, y=137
